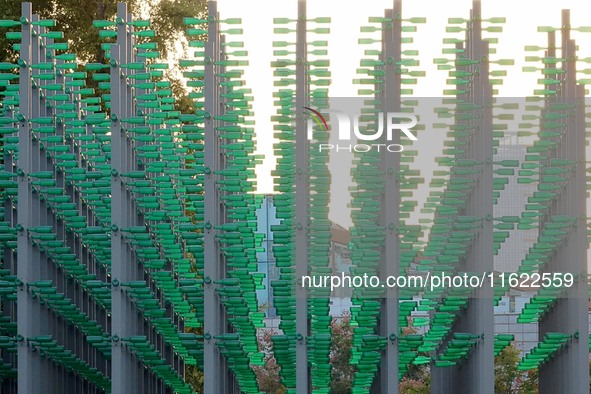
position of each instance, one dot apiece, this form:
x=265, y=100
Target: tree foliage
x=194, y=376
x=268, y=374
x=74, y=18
x=506, y=372
x=340, y=356
x=510, y=380
x=415, y=386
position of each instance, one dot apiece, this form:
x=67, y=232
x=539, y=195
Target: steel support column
x=390, y=204
x=568, y=370
x=302, y=186
x=123, y=317
x=27, y=267
x=215, y=366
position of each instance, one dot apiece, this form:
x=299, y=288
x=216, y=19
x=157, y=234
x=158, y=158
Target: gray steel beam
x=27, y=268
x=568, y=370
x=302, y=186
x=390, y=166
x=476, y=373
x=123, y=376
x=215, y=367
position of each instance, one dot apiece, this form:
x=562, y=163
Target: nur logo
x=388, y=122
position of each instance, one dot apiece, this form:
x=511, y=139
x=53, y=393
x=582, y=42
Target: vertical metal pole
x=29, y=363
x=8, y=307
x=38, y=216
x=390, y=162
x=63, y=333
x=122, y=375
x=477, y=376
x=138, y=326
x=476, y=373
x=215, y=368
x=568, y=370
x=301, y=204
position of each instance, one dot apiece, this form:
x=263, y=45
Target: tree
x=268, y=374
x=417, y=379
x=529, y=383
x=415, y=386
x=340, y=356
x=74, y=18
x=506, y=372
x=11, y=10
x=194, y=376
x=510, y=380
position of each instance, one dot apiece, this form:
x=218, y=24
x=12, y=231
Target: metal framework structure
x=128, y=228
x=390, y=261
x=113, y=206
x=567, y=311
x=476, y=373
